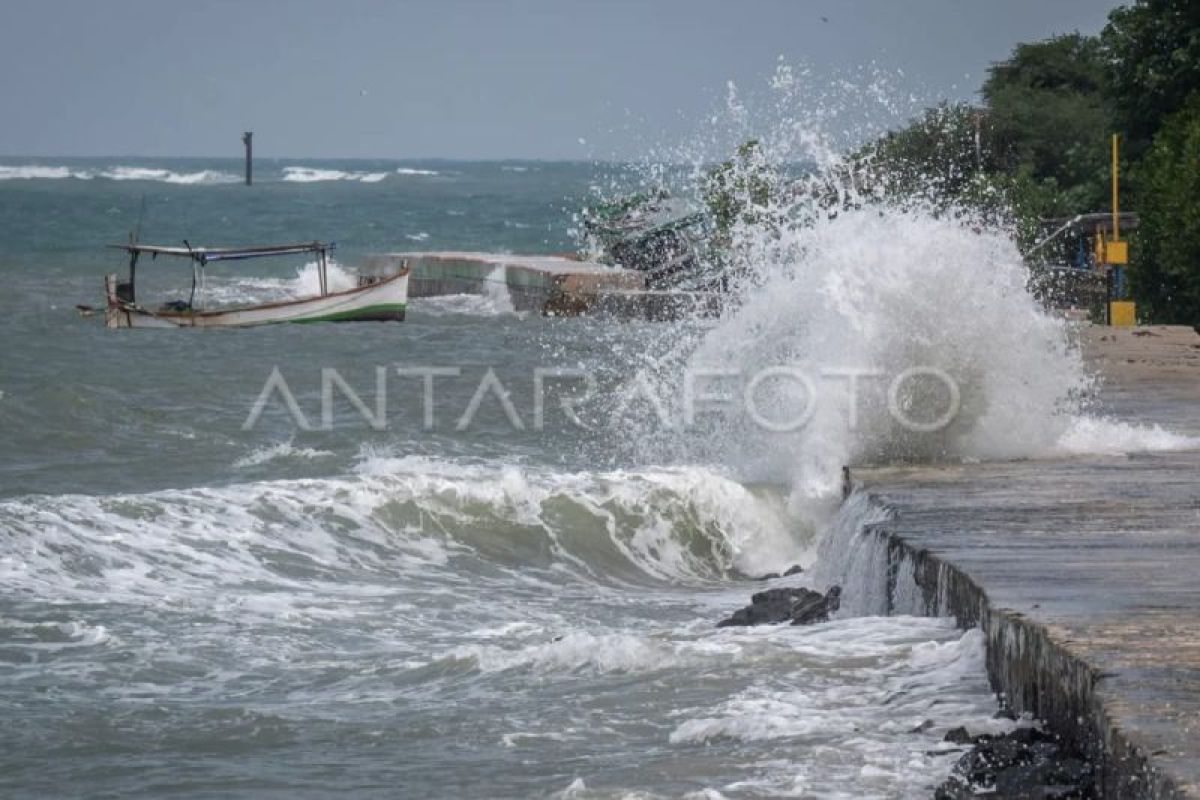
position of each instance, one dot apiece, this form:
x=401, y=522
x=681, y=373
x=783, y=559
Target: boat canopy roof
x=205, y=255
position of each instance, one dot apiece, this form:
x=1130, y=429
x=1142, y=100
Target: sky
x=462, y=79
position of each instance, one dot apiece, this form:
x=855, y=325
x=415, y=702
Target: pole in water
x=247, y=139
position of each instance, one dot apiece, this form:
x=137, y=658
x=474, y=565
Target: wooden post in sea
x=247, y=139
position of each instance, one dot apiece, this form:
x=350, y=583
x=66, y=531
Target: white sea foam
x=118, y=173
x=575, y=791
x=885, y=290
x=495, y=289
x=666, y=525
x=468, y=305
x=51, y=635
x=37, y=172
x=317, y=175
x=674, y=524
x=280, y=451
x=305, y=282
x=578, y=650
x=496, y=300
x=207, y=176
x=414, y=171
x=1088, y=434
x=833, y=278
x=861, y=724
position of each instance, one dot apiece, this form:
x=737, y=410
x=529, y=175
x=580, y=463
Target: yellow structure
x=1114, y=250
x=1122, y=314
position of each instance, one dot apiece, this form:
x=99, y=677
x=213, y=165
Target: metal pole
x=1116, y=232
x=247, y=139
x=1108, y=295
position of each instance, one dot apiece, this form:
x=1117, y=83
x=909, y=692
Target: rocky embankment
x=1025, y=764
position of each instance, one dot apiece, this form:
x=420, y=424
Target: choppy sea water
x=465, y=607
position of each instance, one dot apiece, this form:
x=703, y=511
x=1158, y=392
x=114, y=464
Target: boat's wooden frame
x=376, y=298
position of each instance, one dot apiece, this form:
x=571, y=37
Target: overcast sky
x=459, y=78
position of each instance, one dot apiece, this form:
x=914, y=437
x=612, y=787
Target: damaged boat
x=377, y=297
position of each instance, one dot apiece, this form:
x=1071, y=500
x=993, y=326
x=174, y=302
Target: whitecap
x=317, y=175
x=36, y=172
x=206, y=176
x=282, y=450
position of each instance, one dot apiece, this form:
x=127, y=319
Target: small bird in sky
x=824, y=19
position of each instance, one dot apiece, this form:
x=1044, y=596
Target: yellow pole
x=1116, y=230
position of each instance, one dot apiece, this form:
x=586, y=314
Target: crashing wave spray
x=876, y=293
x=834, y=278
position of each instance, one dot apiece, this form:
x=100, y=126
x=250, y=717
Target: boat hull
x=384, y=300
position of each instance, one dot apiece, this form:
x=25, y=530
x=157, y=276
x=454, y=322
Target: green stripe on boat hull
x=386, y=312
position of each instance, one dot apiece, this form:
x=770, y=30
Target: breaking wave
x=276, y=452
x=317, y=175
x=396, y=516
x=34, y=172
x=167, y=176
x=877, y=293
x=494, y=301
x=291, y=174
x=863, y=326
x=305, y=282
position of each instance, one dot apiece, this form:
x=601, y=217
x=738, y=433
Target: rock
x=818, y=608
x=797, y=604
x=771, y=606
x=795, y=569
x=960, y=735
x=1025, y=763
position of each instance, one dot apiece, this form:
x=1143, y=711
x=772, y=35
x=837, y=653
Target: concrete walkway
x=1084, y=573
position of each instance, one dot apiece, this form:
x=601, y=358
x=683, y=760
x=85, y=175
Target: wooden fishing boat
x=377, y=297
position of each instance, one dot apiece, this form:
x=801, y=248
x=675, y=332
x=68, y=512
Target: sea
x=397, y=560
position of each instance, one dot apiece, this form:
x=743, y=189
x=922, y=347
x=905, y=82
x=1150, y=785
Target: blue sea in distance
x=192, y=609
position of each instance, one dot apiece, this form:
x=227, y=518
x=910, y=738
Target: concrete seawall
x=544, y=284
x=1083, y=573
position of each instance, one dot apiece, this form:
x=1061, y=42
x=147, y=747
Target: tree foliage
x=1152, y=49
x=740, y=190
x=937, y=155
x=1048, y=119
x=1039, y=144
x=1036, y=148
x=1166, y=277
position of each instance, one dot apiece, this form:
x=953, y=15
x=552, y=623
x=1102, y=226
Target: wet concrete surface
x=1096, y=558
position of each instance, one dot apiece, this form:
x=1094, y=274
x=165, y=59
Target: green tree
x=937, y=156
x=740, y=190
x=1153, y=49
x=1048, y=120
x=1165, y=277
